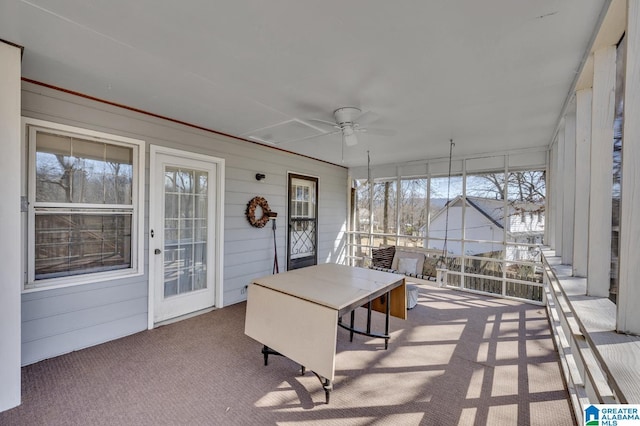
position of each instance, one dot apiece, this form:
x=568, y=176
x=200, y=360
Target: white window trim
x=29, y=125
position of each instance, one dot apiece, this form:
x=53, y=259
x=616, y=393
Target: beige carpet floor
x=459, y=359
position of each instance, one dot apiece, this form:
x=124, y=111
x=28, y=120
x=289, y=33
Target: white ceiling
x=492, y=75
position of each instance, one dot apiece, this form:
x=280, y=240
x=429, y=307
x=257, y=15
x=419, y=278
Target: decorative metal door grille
x=303, y=237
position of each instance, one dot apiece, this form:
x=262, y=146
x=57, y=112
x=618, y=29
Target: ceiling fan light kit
x=349, y=135
x=345, y=120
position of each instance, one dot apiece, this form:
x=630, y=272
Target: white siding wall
x=62, y=320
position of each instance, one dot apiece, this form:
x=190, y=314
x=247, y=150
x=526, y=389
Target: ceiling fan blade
x=367, y=117
x=379, y=132
x=324, y=122
x=306, y=138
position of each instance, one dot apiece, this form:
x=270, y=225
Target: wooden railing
x=488, y=274
x=600, y=365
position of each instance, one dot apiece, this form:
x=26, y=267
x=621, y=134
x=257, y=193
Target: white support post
x=559, y=195
x=569, y=186
x=600, y=191
x=10, y=274
x=583, y=176
x=552, y=182
x=628, y=320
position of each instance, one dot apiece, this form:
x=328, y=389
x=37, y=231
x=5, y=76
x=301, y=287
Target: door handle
x=157, y=251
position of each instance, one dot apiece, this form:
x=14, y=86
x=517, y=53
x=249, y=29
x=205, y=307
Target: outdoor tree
x=527, y=186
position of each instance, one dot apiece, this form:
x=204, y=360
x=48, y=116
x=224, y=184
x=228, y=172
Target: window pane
x=184, y=181
x=53, y=168
x=303, y=198
x=118, y=175
x=77, y=243
x=170, y=180
x=202, y=182
x=72, y=170
x=87, y=170
x=53, y=182
x=171, y=206
x=199, y=268
x=201, y=206
x=185, y=205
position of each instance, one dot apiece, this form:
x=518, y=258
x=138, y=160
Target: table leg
x=385, y=299
x=326, y=385
x=353, y=320
x=266, y=351
x=386, y=321
x=327, y=389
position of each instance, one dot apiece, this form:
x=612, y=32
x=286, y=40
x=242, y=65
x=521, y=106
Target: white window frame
x=30, y=126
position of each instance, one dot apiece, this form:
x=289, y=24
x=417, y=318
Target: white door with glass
x=183, y=237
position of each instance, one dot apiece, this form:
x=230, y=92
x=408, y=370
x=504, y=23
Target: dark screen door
x=303, y=221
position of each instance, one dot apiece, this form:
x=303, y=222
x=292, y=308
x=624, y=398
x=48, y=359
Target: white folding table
x=296, y=313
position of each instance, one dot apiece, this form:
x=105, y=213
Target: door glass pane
x=302, y=211
x=185, y=233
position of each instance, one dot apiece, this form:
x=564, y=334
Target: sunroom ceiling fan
x=349, y=121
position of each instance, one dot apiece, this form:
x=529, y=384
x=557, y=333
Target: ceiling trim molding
x=172, y=120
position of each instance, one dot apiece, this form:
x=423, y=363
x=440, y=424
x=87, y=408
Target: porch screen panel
x=413, y=210
x=445, y=214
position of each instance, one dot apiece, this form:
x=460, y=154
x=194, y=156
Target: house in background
x=485, y=222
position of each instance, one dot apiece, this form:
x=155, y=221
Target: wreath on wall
x=251, y=212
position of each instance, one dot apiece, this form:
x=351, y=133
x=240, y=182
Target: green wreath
x=251, y=212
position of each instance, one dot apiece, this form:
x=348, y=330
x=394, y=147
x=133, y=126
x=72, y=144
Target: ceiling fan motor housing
x=346, y=115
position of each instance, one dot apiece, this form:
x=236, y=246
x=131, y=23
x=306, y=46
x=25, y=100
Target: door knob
x=157, y=251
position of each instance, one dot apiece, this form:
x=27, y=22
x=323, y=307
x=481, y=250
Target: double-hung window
x=84, y=205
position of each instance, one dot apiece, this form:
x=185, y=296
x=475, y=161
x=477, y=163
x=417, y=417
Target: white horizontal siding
x=62, y=320
x=83, y=318
x=40, y=305
x=62, y=343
